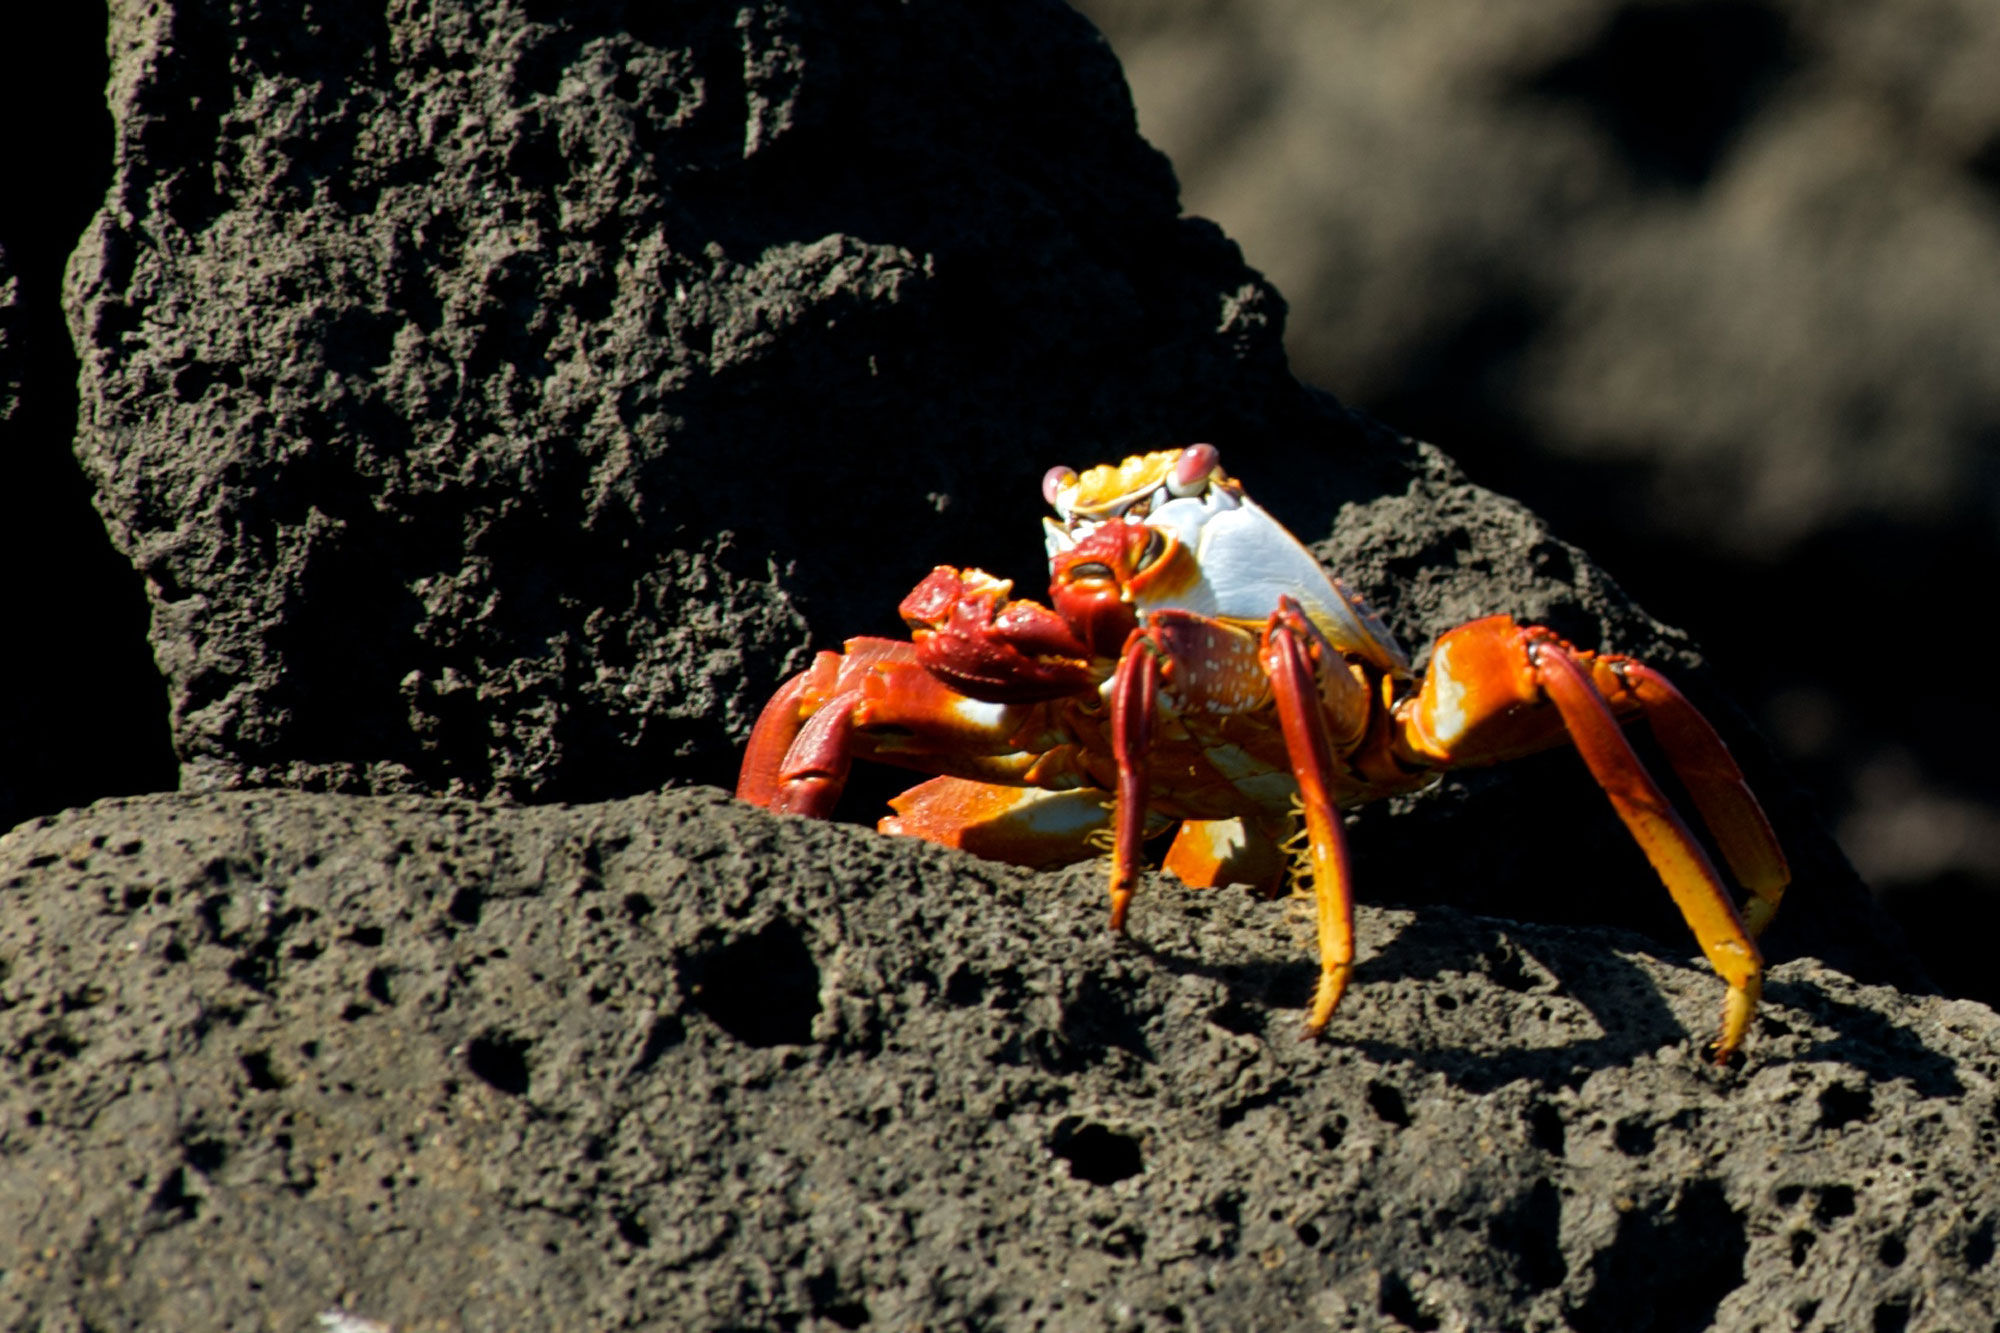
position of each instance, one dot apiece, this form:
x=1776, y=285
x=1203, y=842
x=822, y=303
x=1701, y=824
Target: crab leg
x=817, y=762
x=1309, y=746
x=1678, y=859
x=1135, y=695
x=1716, y=785
x=877, y=701
x=1023, y=826
x=761, y=780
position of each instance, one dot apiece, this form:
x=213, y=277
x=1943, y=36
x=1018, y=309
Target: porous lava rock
x=670, y=1062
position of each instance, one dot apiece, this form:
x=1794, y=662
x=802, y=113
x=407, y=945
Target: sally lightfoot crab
x=1199, y=668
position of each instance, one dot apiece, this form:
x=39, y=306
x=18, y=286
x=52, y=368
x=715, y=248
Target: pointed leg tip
x=1738, y=1008
x=1332, y=985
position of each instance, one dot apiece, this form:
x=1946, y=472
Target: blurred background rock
x=1713, y=286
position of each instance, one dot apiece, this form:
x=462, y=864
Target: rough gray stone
x=674, y=1063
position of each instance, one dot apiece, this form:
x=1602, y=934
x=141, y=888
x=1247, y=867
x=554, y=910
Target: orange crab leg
x=1310, y=749
x=1023, y=826
x=1210, y=852
x=1716, y=785
x=1678, y=859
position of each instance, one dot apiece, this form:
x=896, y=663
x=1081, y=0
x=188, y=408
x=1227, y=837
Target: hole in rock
x=263, y=1075
x=964, y=987
x=762, y=989
x=1835, y=1202
x=1387, y=1103
x=205, y=1155
x=1633, y=1137
x=631, y=1230
x=1979, y=1250
x=1668, y=1267
x=501, y=1061
x=1546, y=1130
x=1531, y=1231
x=1096, y=1153
x=173, y=1197
x=1397, y=1302
x=1841, y=1105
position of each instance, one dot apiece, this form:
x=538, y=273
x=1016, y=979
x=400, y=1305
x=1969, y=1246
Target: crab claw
x=971, y=636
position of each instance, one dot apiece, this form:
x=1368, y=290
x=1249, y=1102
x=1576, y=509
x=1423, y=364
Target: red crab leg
x=759, y=781
x=1678, y=859
x=877, y=701
x=1310, y=749
x=1716, y=785
x=816, y=764
x=1134, y=702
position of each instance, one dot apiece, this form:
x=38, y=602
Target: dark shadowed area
x=82, y=709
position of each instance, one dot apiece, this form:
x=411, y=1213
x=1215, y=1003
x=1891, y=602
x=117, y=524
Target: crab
x=1199, y=670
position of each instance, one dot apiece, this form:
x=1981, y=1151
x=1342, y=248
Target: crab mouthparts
x=1159, y=507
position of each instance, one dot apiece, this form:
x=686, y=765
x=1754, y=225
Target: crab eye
x=1191, y=469
x=1054, y=480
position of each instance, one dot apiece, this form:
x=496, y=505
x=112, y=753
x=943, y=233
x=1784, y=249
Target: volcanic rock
x=268, y=1057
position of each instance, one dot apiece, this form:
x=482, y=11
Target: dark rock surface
x=1710, y=285
x=673, y=1063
